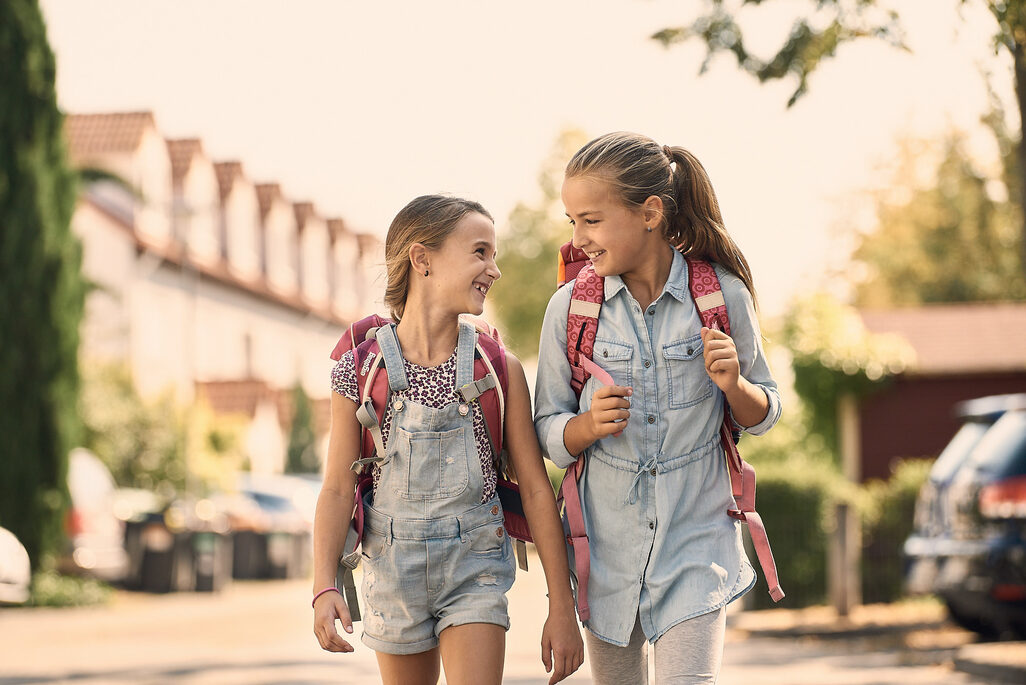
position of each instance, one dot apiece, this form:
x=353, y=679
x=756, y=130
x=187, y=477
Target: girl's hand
x=721, y=361
x=327, y=608
x=609, y=411
x=562, y=647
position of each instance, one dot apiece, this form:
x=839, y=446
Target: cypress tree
x=41, y=289
x=302, y=450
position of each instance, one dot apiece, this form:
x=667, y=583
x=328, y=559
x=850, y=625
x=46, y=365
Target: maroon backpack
x=488, y=389
x=582, y=324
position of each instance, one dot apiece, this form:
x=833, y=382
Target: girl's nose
x=494, y=272
x=578, y=239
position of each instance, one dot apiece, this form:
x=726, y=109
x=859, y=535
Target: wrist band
x=327, y=589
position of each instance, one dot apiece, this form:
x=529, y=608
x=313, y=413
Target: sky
x=359, y=107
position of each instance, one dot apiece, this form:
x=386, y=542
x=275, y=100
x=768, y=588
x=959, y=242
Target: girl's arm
x=331, y=522
x=562, y=648
x=737, y=363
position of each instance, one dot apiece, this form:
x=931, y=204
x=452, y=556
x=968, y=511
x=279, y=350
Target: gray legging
x=689, y=653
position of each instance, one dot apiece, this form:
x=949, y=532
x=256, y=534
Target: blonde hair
x=638, y=168
x=428, y=220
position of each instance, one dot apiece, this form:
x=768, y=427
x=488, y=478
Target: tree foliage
x=824, y=25
x=528, y=254
x=815, y=36
x=952, y=237
x=41, y=291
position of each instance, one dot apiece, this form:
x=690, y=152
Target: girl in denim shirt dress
x=437, y=561
x=665, y=556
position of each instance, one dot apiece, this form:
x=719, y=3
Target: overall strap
x=393, y=356
x=465, y=354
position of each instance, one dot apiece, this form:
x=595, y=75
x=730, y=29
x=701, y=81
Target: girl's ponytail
x=694, y=225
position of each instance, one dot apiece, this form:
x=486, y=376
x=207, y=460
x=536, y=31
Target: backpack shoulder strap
x=357, y=332
x=490, y=373
x=582, y=324
x=705, y=289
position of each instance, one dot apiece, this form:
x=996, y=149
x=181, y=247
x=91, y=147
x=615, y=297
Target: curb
x=998, y=661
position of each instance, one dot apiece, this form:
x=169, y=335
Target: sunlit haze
x=359, y=107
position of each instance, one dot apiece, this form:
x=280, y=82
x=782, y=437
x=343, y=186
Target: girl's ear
x=652, y=210
x=420, y=258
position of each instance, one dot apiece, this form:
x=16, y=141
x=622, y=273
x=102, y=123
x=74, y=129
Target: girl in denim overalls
x=665, y=557
x=437, y=561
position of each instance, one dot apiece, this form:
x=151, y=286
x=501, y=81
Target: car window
x=1002, y=451
x=956, y=451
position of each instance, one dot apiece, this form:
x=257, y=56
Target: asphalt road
x=259, y=633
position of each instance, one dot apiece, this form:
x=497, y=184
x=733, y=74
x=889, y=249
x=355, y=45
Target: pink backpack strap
x=582, y=323
x=712, y=309
x=586, y=300
x=571, y=261
x=569, y=499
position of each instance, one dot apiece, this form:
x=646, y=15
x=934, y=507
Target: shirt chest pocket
x=689, y=384
x=614, y=357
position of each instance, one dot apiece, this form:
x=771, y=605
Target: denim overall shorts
x=434, y=555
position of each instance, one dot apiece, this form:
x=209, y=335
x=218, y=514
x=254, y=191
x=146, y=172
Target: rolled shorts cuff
x=467, y=617
x=398, y=648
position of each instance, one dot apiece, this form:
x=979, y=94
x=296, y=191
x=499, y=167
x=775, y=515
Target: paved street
x=259, y=633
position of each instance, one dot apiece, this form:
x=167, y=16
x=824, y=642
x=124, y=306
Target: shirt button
x=651, y=525
x=651, y=310
x=653, y=471
x=647, y=363
x=651, y=419
x=495, y=509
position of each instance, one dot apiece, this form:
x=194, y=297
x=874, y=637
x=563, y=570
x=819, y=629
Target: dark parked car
x=969, y=543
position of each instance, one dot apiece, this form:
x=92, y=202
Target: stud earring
x=649, y=228
x=425, y=273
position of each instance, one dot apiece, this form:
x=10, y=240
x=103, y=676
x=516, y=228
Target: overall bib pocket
x=431, y=465
x=689, y=384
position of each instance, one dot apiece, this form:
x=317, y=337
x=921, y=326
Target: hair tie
x=668, y=152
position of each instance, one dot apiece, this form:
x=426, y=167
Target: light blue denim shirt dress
x=655, y=498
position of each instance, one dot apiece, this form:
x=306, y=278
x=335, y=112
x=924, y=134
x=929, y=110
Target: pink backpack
x=489, y=389
x=581, y=326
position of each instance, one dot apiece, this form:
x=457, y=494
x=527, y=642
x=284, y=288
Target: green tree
x=42, y=294
x=528, y=253
x=953, y=237
x=825, y=25
x=302, y=450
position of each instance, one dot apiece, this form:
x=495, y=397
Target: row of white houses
x=208, y=283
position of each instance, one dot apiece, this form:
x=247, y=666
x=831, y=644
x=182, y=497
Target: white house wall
x=242, y=230
x=200, y=212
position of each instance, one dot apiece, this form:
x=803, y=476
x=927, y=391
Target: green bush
x=796, y=499
x=887, y=512
x=51, y=589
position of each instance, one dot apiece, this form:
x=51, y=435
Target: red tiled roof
x=182, y=152
x=337, y=227
x=91, y=134
x=958, y=338
x=267, y=193
x=304, y=212
x=369, y=244
x=227, y=172
x=235, y=397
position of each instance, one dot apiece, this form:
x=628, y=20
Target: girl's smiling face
x=463, y=268
x=609, y=231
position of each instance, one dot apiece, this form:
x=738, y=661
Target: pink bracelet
x=327, y=589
